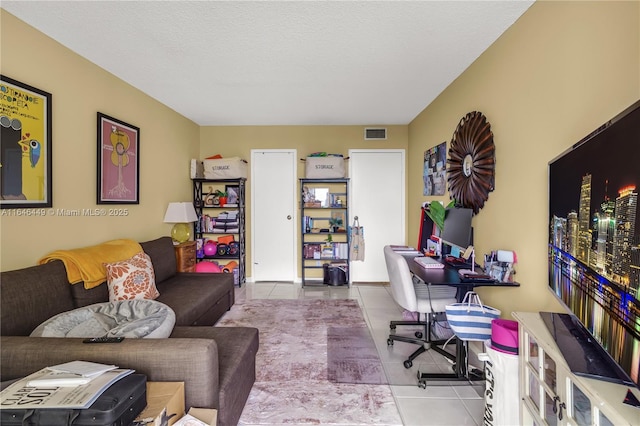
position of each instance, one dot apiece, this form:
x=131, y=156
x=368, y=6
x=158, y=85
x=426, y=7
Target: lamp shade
x=180, y=213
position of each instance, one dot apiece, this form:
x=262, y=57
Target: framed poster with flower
x=25, y=148
x=118, y=161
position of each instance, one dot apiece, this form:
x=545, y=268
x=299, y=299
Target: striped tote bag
x=470, y=319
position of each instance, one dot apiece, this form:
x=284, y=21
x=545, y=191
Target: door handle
x=557, y=408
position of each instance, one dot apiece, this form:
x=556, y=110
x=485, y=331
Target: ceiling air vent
x=371, y=133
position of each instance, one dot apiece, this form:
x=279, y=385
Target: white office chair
x=415, y=295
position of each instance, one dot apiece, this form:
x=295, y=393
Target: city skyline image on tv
x=594, y=235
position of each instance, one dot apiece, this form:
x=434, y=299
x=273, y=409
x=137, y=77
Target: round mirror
x=471, y=161
x=467, y=163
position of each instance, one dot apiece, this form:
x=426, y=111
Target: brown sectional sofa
x=217, y=364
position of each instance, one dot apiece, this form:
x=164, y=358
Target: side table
x=186, y=256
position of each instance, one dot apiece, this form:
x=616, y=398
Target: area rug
x=292, y=376
x=352, y=356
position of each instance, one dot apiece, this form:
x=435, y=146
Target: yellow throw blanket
x=86, y=264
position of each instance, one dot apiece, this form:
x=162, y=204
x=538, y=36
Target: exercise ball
x=210, y=248
x=205, y=266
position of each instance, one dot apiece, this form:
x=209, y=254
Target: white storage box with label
x=331, y=167
x=225, y=168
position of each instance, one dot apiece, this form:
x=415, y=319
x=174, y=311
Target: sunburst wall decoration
x=471, y=171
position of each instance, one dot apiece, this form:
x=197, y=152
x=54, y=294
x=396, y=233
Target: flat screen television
x=594, y=243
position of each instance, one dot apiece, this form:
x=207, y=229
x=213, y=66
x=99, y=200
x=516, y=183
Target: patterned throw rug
x=293, y=386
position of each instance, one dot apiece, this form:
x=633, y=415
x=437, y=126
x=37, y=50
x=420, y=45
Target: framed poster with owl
x=25, y=146
x=118, y=161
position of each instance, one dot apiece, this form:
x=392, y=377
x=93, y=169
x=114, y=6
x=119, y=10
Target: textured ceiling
x=280, y=63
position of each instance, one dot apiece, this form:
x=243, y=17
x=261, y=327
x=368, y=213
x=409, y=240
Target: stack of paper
x=72, y=373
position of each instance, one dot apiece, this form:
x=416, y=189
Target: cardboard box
x=200, y=417
x=165, y=401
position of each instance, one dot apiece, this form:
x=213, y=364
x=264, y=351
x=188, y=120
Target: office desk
x=449, y=276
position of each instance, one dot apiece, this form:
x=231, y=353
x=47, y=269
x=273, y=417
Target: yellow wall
x=559, y=72
x=238, y=141
x=79, y=90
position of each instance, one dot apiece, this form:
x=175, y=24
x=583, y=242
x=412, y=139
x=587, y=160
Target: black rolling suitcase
x=119, y=405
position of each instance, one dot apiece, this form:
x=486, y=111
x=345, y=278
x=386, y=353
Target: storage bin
x=225, y=168
x=502, y=384
x=334, y=275
x=331, y=167
x=504, y=336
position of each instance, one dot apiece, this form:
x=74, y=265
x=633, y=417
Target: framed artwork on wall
x=435, y=161
x=118, y=162
x=472, y=161
x=25, y=146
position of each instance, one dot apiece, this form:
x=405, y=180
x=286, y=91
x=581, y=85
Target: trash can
x=501, y=401
x=334, y=275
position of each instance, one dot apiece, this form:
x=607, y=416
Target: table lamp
x=182, y=214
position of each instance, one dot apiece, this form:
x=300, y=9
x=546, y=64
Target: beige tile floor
x=441, y=403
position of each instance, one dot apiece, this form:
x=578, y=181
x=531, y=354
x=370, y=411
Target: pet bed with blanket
x=124, y=318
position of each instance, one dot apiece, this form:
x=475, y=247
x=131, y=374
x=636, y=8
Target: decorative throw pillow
x=131, y=279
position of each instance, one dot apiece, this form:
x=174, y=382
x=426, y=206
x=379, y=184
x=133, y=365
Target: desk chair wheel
x=389, y=342
x=419, y=334
x=408, y=364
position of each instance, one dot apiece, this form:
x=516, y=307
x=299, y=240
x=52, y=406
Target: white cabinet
x=551, y=395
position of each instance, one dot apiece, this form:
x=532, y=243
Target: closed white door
x=377, y=198
x=273, y=215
